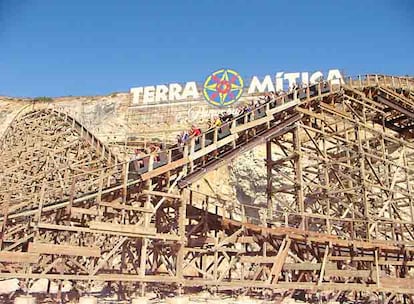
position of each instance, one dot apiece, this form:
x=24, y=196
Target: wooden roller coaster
x=340, y=200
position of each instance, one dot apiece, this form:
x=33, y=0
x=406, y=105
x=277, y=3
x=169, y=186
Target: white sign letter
x=174, y=92
x=161, y=93
x=316, y=77
x=305, y=78
x=149, y=94
x=266, y=85
x=190, y=89
x=279, y=82
x=335, y=77
x=291, y=77
x=136, y=92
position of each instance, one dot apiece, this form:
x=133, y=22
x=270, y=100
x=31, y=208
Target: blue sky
x=79, y=47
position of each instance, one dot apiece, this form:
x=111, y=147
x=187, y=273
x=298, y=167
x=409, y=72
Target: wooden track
x=340, y=164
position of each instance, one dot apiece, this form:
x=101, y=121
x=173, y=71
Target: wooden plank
x=125, y=207
x=353, y=258
x=166, y=168
x=160, y=236
x=132, y=229
x=43, y=248
x=210, y=148
x=308, y=266
x=42, y=225
x=281, y=258
x=283, y=107
x=163, y=194
x=389, y=282
x=350, y=273
x=251, y=124
x=323, y=266
x=18, y=257
x=258, y=259
x=246, y=240
x=74, y=210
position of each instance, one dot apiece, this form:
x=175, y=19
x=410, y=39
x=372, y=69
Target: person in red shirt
x=195, y=132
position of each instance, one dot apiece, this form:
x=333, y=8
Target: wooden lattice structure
x=340, y=164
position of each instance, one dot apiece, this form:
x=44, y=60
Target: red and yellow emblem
x=223, y=87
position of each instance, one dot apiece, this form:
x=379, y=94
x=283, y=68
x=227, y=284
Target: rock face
x=103, y=115
x=248, y=177
x=217, y=183
x=241, y=182
x=8, y=109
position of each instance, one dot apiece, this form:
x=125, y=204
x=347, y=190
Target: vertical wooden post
x=182, y=206
x=324, y=261
x=168, y=174
x=192, y=148
x=185, y=154
x=147, y=216
x=363, y=179
x=298, y=173
x=5, y=215
x=377, y=267
x=143, y=257
x=269, y=166
x=203, y=141
x=125, y=182
x=326, y=177
x=99, y=197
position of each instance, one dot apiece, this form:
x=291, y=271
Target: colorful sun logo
x=223, y=87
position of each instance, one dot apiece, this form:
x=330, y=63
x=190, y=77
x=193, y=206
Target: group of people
x=225, y=117
x=216, y=121
x=254, y=104
x=185, y=136
x=139, y=154
x=219, y=120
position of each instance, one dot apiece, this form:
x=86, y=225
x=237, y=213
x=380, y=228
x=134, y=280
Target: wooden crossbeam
x=125, y=207
x=131, y=229
x=162, y=194
x=18, y=257
x=43, y=248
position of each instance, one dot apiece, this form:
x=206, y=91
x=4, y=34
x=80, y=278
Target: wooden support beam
x=131, y=229
x=76, y=210
x=43, y=248
x=118, y=206
x=162, y=194
x=18, y=257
